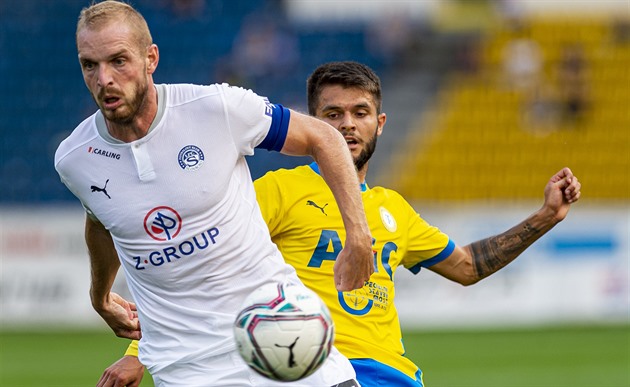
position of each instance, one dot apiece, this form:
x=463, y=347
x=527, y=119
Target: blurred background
x=486, y=99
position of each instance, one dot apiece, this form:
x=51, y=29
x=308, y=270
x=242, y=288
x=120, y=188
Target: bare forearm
x=469, y=264
x=343, y=183
x=310, y=136
x=491, y=254
x=104, y=261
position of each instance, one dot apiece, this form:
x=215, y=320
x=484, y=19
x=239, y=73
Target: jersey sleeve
x=132, y=350
x=426, y=244
x=254, y=121
x=277, y=134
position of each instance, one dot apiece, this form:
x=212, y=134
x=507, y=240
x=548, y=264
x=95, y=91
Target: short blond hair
x=100, y=14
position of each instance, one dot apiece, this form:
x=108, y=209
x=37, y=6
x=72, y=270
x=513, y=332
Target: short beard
x=135, y=105
x=366, y=153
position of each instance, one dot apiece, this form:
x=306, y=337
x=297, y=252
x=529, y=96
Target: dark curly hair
x=345, y=74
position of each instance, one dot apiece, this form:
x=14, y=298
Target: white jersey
x=181, y=208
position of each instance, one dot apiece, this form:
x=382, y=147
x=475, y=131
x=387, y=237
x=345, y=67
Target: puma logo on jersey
x=99, y=189
x=312, y=203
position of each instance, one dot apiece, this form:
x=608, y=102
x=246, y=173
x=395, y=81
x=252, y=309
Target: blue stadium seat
x=41, y=75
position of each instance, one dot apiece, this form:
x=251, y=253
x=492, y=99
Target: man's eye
x=119, y=61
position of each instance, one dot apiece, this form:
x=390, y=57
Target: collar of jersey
x=101, y=126
x=315, y=168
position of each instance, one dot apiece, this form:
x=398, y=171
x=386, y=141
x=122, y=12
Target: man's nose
x=347, y=123
x=104, y=75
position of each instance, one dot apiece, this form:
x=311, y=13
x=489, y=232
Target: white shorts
x=230, y=370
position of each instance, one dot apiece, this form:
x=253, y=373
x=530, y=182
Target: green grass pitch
x=596, y=356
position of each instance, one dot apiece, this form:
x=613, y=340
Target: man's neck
x=140, y=125
x=362, y=174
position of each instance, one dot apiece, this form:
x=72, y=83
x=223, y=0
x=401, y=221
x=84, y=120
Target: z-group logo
x=162, y=223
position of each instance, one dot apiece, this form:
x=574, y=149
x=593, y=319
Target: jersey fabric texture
x=230, y=370
x=182, y=212
x=305, y=223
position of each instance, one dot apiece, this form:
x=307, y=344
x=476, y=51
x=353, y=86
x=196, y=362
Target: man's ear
x=153, y=57
x=382, y=118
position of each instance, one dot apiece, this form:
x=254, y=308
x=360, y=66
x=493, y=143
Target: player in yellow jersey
x=304, y=221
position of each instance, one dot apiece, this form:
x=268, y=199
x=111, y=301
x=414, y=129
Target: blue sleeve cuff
x=448, y=250
x=274, y=141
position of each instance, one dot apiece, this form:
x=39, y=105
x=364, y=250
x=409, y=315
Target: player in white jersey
x=160, y=170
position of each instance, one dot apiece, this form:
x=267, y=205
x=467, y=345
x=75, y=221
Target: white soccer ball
x=284, y=331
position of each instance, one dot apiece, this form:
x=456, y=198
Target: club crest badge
x=190, y=158
x=388, y=220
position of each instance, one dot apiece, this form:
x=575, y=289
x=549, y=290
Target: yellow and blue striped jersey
x=305, y=223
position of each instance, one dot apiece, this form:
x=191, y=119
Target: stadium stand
x=486, y=141
x=44, y=96
x=474, y=140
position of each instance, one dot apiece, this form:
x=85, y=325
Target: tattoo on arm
x=494, y=253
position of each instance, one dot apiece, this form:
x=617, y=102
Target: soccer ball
x=284, y=331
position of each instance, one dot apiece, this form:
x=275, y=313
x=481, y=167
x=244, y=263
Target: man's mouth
x=111, y=102
x=351, y=142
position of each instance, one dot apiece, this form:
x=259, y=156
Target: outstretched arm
x=118, y=313
x=476, y=261
x=310, y=136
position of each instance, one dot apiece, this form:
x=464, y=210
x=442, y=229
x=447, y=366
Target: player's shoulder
x=181, y=93
x=302, y=171
x=81, y=135
x=391, y=199
x=219, y=93
x=387, y=193
x=293, y=178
